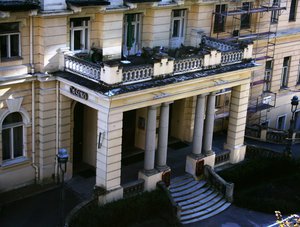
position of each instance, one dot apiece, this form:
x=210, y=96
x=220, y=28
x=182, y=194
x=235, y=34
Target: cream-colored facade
x=57, y=93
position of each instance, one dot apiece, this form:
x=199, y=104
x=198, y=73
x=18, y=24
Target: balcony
x=158, y=62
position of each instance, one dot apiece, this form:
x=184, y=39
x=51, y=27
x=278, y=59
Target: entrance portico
x=155, y=126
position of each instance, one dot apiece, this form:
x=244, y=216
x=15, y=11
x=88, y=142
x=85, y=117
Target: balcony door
x=178, y=27
x=132, y=34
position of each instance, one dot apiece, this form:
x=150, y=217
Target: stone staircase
x=197, y=199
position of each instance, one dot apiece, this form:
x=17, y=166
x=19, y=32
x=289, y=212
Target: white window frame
x=25, y=123
x=285, y=74
x=298, y=78
x=9, y=44
x=137, y=44
x=284, y=123
x=176, y=41
x=85, y=26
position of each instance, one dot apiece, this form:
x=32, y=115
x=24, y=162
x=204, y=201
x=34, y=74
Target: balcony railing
x=137, y=73
x=188, y=64
x=233, y=56
x=83, y=68
x=211, y=54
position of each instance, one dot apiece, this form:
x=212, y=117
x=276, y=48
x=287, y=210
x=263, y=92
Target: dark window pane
x=77, y=22
x=77, y=40
x=18, y=141
x=292, y=16
x=14, y=45
x=9, y=27
x=3, y=43
x=176, y=13
x=6, y=144
x=176, y=28
x=12, y=118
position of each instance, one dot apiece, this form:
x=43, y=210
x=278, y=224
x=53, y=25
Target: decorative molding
x=14, y=105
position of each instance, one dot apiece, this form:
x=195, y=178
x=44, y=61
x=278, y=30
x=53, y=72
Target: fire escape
x=255, y=22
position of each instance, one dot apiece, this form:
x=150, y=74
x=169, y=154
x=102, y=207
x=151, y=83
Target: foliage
x=266, y=184
x=147, y=209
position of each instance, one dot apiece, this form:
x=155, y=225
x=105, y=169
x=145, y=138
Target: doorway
x=84, y=139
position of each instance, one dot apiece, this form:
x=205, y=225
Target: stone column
x=237, y=123
x=209, y=124
x=198, y=126
x=150, y=141
x=161, y=160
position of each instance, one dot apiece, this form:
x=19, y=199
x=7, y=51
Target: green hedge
x=266, y=184
x=147, y=209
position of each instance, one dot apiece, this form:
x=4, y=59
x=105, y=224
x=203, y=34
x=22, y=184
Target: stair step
x=204, y=212
x=181, y=183
x=215, y=212
x=187, y=191
x=191, y=195
x=199, y=197
x=198, y=202
x=204, y=206
x=184, y=187
x=181, y=178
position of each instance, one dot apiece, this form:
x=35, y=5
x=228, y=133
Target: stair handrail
x=226, y=188
x=177, y=208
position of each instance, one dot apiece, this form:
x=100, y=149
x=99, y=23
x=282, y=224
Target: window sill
x=11, y=59
x=14, y=162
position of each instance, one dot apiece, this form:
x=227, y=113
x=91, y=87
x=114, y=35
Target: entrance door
x=132, y=34
x=78, y=136
x=129, y=125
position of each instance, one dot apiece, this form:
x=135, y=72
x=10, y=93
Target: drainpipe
x=56, y=130
x=33, y=132
x=31, y=41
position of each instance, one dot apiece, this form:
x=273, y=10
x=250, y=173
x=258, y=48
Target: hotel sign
x=79, y=93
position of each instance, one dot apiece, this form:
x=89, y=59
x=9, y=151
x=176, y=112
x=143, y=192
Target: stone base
x=190, y=165
x=110, y=196
x=237, y=153
x=150, y=179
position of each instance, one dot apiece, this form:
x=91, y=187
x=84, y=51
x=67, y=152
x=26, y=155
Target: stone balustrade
x=83, y=68
x=216, y=53
x=232, y=57
x=188, y=64
x=222, y=158
x=137, y=73
x=219, y=183
x=133, y=188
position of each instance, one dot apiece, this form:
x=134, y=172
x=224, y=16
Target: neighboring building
x=63, y=85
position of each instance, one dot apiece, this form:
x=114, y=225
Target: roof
x=18, y=5
x=88, y=2
x=113, y=90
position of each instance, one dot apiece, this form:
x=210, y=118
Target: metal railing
x=188, y=64
x=137, y=73
x=219, y=183
x=83, y=68
x=133, y=188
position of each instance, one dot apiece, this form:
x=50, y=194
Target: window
x=246, y=18
x=268, y=75
x=298, y=79
x=10, y=40
x=275, y=13
x=79, y=31
x=219, y=23
x=285, y=72
x=293, y=10
x=281, y=122
x=12, y=137
x=132, y=33
x=178, y=26
x=265, y=123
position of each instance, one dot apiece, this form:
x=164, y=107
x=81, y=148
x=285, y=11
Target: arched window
x=12, y=136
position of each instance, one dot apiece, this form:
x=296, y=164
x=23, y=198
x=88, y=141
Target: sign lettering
x=79, y=93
